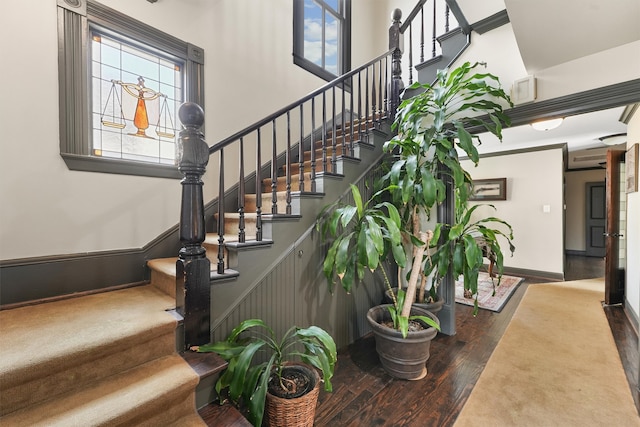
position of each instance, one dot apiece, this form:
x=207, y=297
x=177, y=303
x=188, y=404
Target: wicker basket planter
x=294, y=412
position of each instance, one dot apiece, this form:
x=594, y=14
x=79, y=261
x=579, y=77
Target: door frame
x=613, y=282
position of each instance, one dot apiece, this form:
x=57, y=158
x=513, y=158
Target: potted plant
x=363, y=235
x=431, y=127
x=471, y=240
x=282, y=392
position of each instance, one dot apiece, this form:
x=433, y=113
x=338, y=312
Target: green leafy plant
x=464, y=253
x=363, y=234
x=432, y=128
x=247, y=382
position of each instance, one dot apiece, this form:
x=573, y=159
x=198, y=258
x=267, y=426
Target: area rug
x=486, y=298
x=556, y=365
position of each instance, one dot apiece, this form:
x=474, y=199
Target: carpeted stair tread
x=160, y=389
x=49, y=333
x=64, y=345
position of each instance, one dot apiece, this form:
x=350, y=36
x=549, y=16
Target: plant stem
x=415, y=273
x=388, y=285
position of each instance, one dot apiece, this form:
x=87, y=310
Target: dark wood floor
x=364, y=395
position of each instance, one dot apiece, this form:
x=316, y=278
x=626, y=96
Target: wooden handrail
x=334, y=83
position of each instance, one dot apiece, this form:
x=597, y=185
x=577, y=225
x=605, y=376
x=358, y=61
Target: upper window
x=322, y=37
x=121, y=83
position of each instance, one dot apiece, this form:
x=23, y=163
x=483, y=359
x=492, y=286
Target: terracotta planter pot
x=295, y=412
x=433, y=307
x=404, y=358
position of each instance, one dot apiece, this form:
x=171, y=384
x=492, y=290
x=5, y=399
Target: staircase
x=101, y=359
x=110, y=358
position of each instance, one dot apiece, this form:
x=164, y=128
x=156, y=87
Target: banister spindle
x=288, y=166
x=343, y=120
x=396, y=56
x=374, y=95
x=433, y=36
x=193, y=268
x=411, y=53
x=221, y=214
x=324, y=131
x=274, y=170
x=366, y=98
x=380, y=93
x=360, y=104
x=386, y=87
x=422, y=34
x=351, y=130
x=301, y=150
x=334, y=144
x=241, y=196
x=258, y=186
x=446, y=18
x=313, y=145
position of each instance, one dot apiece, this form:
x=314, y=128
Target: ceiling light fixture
x=615, y=139
x=543, y=125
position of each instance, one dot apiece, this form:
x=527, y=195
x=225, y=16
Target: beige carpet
x=556, y=365
x=103, y=359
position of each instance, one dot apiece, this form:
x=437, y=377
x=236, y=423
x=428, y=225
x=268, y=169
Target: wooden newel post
x=395, y=45
x=193, y=269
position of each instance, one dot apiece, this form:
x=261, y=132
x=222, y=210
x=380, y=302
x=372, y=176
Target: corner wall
x=632, y=288
x=534, y=181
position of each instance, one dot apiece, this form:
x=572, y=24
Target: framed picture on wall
x=489, y=189
x=631, y=166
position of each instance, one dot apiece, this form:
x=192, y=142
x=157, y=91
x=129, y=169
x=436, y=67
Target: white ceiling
x=580, y=133
x=552, y=32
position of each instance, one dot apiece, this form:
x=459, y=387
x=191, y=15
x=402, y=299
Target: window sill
x=122, y=167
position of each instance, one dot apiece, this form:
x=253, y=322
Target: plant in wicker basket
x=289, y=391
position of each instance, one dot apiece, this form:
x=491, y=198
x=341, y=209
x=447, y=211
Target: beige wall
x=632, y=237
x=575, y=197
x=534, y=181
x=249, y=73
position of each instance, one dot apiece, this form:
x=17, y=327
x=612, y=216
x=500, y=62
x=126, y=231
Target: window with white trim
x=121, y=83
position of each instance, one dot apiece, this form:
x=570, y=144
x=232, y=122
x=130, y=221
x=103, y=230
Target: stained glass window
x=135, y=96
x=121, y=84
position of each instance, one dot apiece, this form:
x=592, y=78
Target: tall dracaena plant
x=431, y=127
x=363, y=234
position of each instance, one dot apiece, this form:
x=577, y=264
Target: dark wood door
x=613, y=284
x=595, y=220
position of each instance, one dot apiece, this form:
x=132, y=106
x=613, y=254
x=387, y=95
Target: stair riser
x=120, y=357
x=267, y=200
x=281, y=183
x=295, y=167
x=307, y=154
x=160, y=388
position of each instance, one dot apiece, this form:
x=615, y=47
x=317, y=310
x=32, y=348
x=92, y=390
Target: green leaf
x=426, y=319
x=240, y=371
x=357, y=199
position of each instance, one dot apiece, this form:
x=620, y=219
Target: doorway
x=596, y=215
